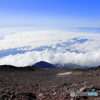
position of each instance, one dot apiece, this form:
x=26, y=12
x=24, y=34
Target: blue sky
x=56, y=31
x=69, y=13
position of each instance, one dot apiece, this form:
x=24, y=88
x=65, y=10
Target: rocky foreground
x=31, y=83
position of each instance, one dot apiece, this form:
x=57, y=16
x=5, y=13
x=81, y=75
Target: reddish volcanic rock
x=31, y=83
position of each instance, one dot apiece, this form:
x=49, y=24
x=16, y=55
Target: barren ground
x=44, y=84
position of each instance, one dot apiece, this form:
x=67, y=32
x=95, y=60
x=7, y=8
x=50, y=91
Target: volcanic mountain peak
x=43, y=64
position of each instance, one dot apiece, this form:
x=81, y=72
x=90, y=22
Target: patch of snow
x=66, y=73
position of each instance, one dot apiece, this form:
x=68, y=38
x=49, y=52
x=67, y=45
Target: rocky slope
x=31, y=83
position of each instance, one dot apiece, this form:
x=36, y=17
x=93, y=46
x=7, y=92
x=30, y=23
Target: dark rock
x=68, y=83
x=3, y=97
x=95, y=87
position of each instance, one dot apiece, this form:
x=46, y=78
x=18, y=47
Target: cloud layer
x=52, y=46
x=84, y=59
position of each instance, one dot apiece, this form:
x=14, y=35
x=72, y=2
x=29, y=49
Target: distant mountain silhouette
x=70, y=65
x=43, y=64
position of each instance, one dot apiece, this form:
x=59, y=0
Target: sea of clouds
x=54, y=46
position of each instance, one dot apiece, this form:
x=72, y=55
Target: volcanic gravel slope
x=31, y=83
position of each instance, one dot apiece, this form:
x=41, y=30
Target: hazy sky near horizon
x=59, y=13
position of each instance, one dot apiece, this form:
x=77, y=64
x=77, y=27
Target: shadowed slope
x=15, y=68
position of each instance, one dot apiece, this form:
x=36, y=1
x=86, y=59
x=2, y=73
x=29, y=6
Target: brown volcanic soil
x=31, y=83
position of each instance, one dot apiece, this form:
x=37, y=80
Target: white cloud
x=40, y=38
x=85, y=59
x=85, y=54
x=33, y=39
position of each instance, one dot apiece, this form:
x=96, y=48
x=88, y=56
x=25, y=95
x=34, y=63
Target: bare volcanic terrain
x=31, y=83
